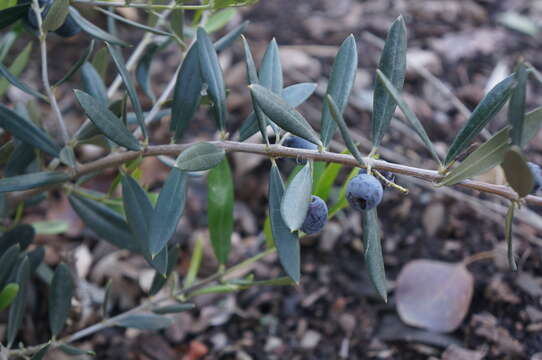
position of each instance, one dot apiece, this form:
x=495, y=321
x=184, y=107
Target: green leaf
x=287, y=242
x=151, y=322
x=127, y=80
x=220, y=209
x=32, y=180
x=51, y=227
x=517, y=172
x=143, y=70
x=7, y=263
x=195, y=263
x=294, y=95
x=4, y=72
x=106, y=121
x=93, y=83
x=296, y=199
x=487, y=156
x=16, y=67
x=12, y=14
x=219, y=19
x=17, y=308
x=340, y=85
x=490, y=105
x=393, y=65
x=56, y=15
x=40, y=354
x=159, y=280
x=373, y=252
x=516, y=109
x=252, y=76
x=100, y=61
x=7, y=295
x=168, y=211
x=22, y=234
x=73, y=351
x=82, y=60
x=27, y=131
x=228, y=39
x=212, y=75
x=187, y=93
x=531, y=126
x=409, y=114
x=338, y=118
x=508, y=236
x=60, y=297
x=105, y=222
x=271, y=70
x=199, y=157
x=20, y=160
x=174, y=308
x=133, y=23
x=6, y=43
x=283, y=114
x=93, y=30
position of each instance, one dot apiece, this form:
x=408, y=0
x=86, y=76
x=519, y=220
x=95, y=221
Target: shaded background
x=465, y=46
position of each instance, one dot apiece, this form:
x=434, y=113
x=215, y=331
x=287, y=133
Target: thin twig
x=142, y=5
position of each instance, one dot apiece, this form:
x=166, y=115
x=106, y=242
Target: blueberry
x=364, y=192
x=298, y=143
x=537, y=174
x=316, y=216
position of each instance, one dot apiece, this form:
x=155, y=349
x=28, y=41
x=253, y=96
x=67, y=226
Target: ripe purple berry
x=316, y=216
x=293, y=141
x=537, y=175
x=364, y=192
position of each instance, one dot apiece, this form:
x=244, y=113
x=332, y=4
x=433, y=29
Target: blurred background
x=458, y=50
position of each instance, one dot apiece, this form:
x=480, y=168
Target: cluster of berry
x=68, y=29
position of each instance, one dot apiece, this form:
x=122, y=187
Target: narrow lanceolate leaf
x=373, y=252
x=17, y=66
x=409, y=114
x=27, y=131
x=195, y=263
x=187, y=93
x=220, y=209
x=338, y=118
x=393, y=65
x=32, y=180
x=8, y=294
x=283, y=114
x=168, y=211
x=143, y=71
x=106, y=121
x=517, y=172
x=56, y=15
x=93, y=83
x=174, y=309
x=508, y=235
x=199, y=157
x=296, y=199
x=339, y=86
x=133, y=23
x=138, y=209
x=228, y=39
x=105, y=222
x=212, y=75
x=531, y=126
x=271, y=70
x=294, y=95
x=93, y=30
x=151, y=322
x=252, y=76
x=84, y=57
x=13, y=80
x=60, y=296
x=40, y=354
x=160, y=280
x=490, y=105
x=17, y=308
x=7, y=262
x=12, y=14
x=516, y=109
x=287, y=242
x=128, y=84
x=487, y=156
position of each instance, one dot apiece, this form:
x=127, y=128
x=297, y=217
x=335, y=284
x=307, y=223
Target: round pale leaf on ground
x=434, y=295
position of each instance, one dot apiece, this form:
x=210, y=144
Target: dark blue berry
x=316, y=216
x=364, y=192
x=293, y=141
x=69, y=28
x=537, y=175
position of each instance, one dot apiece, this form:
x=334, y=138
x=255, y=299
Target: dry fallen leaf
x=434, y=295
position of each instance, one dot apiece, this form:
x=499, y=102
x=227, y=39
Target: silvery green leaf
x=338, y=118
x=93, y=83
x=270, y=74
x=339, y=86
x=230, y=37
x=373, y=252
x=93, y=30
x=160, y=280
x=7, y=262
x=13, y=80
x=173, y=309
x=516, y=109
x=132, y=23
x=393, y=65
x=17, y=66
x=517, y=172
x=296, y=199
x=143, y=70
x=199, y=157
x=32, y=180
x=144, y=322
x=60, y=295
x=509, y=222
x=56, y=15
x=83, y=59
x=18, y=306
